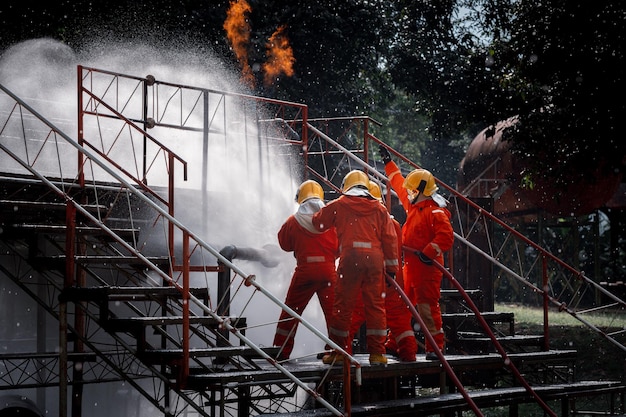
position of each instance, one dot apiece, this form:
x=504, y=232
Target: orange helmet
x=374, y=190
x=355, y=178
x=420, y=181
x=309, y=189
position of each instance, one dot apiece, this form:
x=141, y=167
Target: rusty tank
x=490, y=171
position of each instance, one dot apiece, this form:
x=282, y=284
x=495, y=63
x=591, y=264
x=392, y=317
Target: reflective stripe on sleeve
x=339, y=333
x=391, y=262
x=436, y=247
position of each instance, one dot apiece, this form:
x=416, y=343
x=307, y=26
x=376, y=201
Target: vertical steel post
x=205, y=156
x=81, y=175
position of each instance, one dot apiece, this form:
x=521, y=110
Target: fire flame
x=279, y=53
x=238, y=33
x=279, y=56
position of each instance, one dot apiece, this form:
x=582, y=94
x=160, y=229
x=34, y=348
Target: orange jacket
x=362, y=224
x=427, y=227
x=311, y=250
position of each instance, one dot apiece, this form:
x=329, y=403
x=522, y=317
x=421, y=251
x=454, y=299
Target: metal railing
x=544, y=278
x=28, y=136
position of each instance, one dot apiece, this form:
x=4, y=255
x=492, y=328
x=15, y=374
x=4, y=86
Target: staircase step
x=15, y=205
x=18, y=228
x=489, y=316
x=519, y=339
x=134, y=324
x=456, y=322
x=479, y=343
x=454, y=293
x=313, y=370
x=484, y=399
x=105, y=295
x=137, y=326
x=452, y=300
x=117, y=293
x=59, y=261
x=154, y=356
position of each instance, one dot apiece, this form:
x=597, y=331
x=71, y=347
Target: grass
x=598, y=358
x=532, y=315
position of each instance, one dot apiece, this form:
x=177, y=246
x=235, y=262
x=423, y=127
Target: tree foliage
x=435, y=72
x=556, y=64
x=567, y=66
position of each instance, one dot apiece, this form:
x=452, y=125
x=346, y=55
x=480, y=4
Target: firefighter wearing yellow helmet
x=315, y=272
x=368, y=244
x=420, y=181
x=309, y=189
x=428, y=232
x=401, y=340
x=354, y=181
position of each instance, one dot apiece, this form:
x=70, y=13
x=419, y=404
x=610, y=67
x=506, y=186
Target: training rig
x=96, y=239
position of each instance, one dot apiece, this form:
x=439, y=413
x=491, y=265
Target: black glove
x=384, y=154
x=392, y=275
x=425, y=259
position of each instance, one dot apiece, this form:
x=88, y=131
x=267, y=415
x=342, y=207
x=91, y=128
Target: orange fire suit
x=367, y=245
x=315, y=273
x=428, y=229
x=401, y=337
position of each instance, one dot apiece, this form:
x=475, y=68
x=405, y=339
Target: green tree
x=557, y=65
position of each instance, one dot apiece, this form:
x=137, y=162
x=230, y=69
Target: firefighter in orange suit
x=401, y=337
x=315, y=272
x=368, y=244
x=428, y=230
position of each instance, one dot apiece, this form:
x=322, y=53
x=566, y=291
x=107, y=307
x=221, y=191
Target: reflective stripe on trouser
x=431, y=315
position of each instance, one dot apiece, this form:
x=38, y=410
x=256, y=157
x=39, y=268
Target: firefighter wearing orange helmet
x=315, y=272
x=401, y=337
x=428, y=230
x=368, y=244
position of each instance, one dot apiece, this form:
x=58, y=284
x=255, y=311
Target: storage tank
x=489, y=170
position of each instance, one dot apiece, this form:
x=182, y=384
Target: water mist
x=248, y=198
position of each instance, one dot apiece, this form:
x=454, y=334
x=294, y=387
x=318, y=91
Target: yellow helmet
x=420, y=181
x=355, y=178
x=374, y=190
x=309, y=189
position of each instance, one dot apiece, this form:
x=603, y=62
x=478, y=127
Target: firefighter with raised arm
x=428, y=232
x=368, y=245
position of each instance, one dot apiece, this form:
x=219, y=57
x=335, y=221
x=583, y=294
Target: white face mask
x=311, y=206
x=412, y=194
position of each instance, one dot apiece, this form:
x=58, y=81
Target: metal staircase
x=81, y=248
x=95, y=261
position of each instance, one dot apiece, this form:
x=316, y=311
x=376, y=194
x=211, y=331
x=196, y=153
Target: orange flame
x=279, y=56
x=238, y=33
